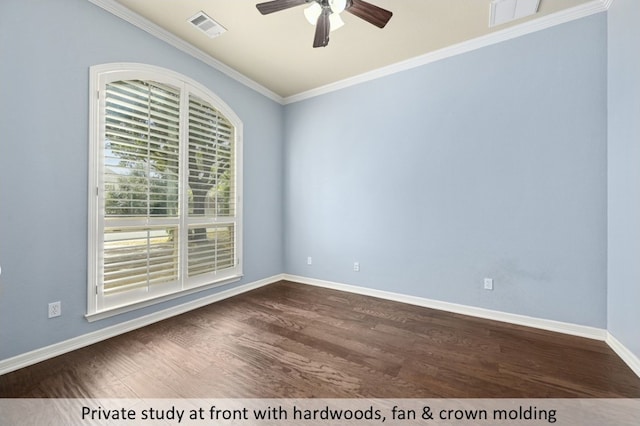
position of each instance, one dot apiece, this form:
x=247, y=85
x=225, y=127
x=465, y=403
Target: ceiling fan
x=326, y=14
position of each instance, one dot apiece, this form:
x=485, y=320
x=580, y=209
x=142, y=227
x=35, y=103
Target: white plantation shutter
x=136, y=258
x=165, y=175
x=142, y=122
x=212, y=202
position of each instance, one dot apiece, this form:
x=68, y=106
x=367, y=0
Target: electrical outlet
x=55, y=309
x=309, y=260
x=488, y=283
x=356, y=266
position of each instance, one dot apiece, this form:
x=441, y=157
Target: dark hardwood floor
x=289, y=340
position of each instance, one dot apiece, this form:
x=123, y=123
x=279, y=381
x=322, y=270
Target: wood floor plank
x=289, y=340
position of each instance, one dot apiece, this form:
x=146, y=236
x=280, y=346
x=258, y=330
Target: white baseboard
x=544, y=324
x=561, y=327
x=35, y=356
x=624, y=353
x=42, y=354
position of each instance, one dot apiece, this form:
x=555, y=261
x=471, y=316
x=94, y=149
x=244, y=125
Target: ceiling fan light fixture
x=325, y=14
x=338, y=6
x=336, y=21
x=312, y=13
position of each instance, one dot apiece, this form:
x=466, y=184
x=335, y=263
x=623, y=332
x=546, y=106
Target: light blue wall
x=487, y=164
x=624, y=173
x=46, y=49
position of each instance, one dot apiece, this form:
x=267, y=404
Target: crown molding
x=155, y=30
x=558, y=18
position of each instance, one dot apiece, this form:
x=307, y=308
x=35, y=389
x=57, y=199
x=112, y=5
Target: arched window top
x=136, y=71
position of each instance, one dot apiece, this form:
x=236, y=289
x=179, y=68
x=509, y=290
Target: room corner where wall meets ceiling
x=287, y=73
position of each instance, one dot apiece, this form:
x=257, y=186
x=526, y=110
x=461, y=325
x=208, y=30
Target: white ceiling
x=276, y=50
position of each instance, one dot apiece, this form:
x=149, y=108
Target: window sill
x=117, y=310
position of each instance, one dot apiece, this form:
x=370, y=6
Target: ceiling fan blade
x=373, y=14
x=278, y=5
x=323, y=27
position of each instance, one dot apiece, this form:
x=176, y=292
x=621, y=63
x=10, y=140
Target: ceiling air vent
x=503, y=11
x=207, y=25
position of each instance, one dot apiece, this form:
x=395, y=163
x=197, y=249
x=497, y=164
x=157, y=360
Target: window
x=165, y=216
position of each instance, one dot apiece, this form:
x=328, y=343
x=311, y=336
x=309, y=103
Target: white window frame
x=100, y=76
